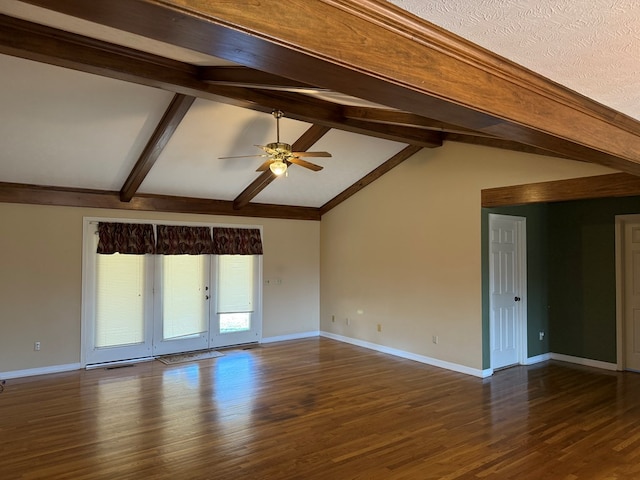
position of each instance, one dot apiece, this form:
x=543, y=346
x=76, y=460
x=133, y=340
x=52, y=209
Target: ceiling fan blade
x=311, y=154
x=305, y=164
x=264, y=166
x=244, y=156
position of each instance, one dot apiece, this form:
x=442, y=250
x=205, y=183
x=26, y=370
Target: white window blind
x=119, y=299
x=235, y=283
x=184, y=309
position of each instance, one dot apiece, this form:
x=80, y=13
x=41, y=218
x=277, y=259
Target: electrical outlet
x=541, y=336
x=435, y=339
x=36, y=346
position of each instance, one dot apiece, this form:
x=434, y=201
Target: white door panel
x=506, y=283
x=632, y=296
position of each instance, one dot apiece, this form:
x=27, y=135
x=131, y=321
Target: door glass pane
x=235, y=284
x=235, y=322
x=119, y=299
x=184, y=306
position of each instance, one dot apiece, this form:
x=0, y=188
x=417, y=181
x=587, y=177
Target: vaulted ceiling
x=130, y=103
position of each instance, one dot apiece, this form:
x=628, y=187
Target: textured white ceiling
x=590, y=46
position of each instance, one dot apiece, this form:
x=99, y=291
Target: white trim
x=30, y=372
x=408, y=355
x=537, y=359
x=583, y=361
x=620, y=224
x=524, y=289
x=292, y=336
x=117, y=363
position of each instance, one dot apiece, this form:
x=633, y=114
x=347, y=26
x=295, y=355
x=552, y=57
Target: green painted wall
x=582, y=290
x=537, y=274
x=570, y=276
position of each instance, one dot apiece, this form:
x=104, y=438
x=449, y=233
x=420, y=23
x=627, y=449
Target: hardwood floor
x=320, y=409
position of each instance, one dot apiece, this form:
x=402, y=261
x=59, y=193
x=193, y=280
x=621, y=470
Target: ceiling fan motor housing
x=279, y=147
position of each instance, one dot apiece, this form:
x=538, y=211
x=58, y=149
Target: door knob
x=517, y=299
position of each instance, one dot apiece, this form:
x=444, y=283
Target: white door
x=236, y=314
x=632, y=296
x=507, y=284
x=206, y=301
x=137, y=306
x=182, y=303
x=121, y=306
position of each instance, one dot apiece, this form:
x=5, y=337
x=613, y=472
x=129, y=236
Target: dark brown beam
x=396, y=117
x=306, y=141
x=373, y=50
x=600, y=186
x=73, y=197
x=493, y=142
x=44, y=44
x=250, y=78
x=176, y=111
x=372, y=176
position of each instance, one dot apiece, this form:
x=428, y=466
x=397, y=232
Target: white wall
x=405, y=251
x=41, y=279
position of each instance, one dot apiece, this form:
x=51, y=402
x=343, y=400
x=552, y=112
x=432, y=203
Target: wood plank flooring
x=320, y=409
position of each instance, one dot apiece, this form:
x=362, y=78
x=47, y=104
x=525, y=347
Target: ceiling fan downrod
x=277, y=114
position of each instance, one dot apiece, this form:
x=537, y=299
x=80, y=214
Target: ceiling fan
x=280, y=156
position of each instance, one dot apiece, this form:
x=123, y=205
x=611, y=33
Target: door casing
x=621, y=224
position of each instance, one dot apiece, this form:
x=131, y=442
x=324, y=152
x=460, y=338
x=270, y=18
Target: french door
x=137, y=306
x=182, y=303
x=206, y=301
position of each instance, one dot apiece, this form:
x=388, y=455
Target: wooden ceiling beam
x=179, y=106
x=396, y=117
x=251, y=78
x=48, y=45
x=74, y=197
x=599, y=186
x=375, y=51
x=304, y=143
x=493, y=142
x=372, y=176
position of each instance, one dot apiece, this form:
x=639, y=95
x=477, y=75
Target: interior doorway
x=507, y=290
x=628, y=291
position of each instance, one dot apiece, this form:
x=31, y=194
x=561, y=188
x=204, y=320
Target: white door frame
x=88, y=289
x=621, y=222
x=521, y=258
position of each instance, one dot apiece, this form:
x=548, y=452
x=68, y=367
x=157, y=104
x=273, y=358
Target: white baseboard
x=584, y=361
x=30, y=372
x=408, y=355
x=537, y=359
x=292, y=336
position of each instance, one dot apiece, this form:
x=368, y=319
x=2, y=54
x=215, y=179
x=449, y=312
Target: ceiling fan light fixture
x=278, y=167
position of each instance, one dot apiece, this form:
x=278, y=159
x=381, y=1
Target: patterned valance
x=126, y=238
x=180, y=240
x=237, y=241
